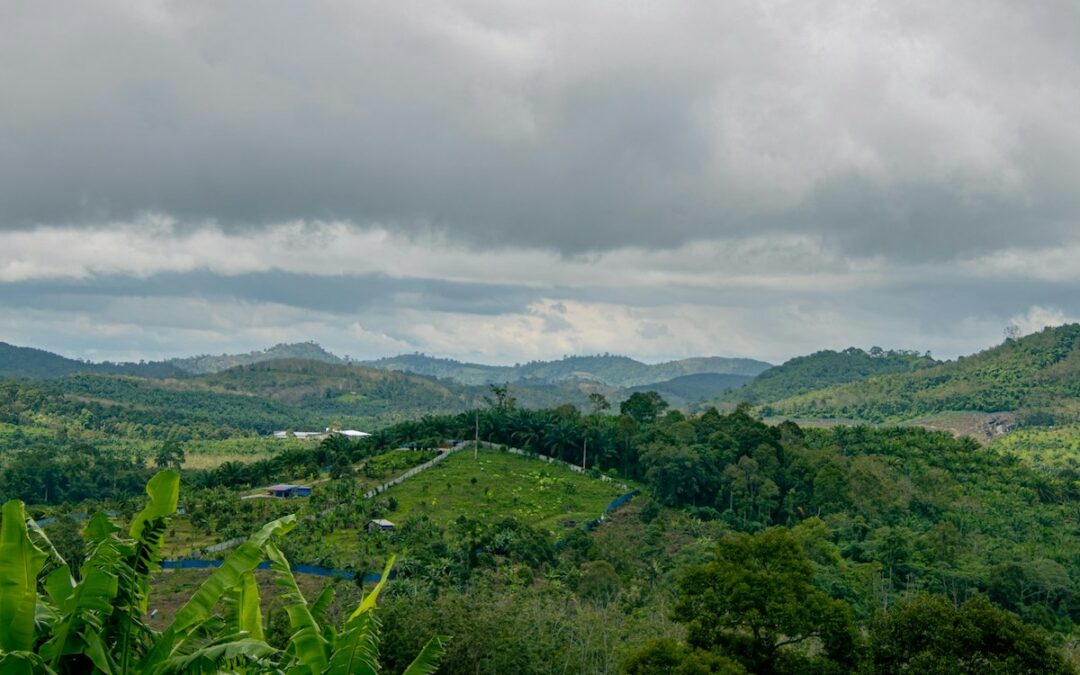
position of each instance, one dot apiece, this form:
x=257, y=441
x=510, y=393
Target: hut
x=287, y=490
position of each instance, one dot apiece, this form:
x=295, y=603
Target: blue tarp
x=301, y=569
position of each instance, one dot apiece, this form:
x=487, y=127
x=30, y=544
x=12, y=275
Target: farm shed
x=286, y=490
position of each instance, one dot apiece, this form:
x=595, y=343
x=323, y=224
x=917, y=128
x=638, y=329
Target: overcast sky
x=506, y=180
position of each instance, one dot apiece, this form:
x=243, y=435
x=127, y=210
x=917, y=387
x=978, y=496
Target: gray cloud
x=337, y=294
x=915, y=130
x=505, y=181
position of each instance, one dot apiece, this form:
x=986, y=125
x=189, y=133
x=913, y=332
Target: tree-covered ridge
x=207, y=363
x=37, y=363
x=687, y=390
x=613, y=370
x=826, y=368
x=1037, y=376
x=261, y=398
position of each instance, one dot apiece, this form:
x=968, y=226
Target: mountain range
x=608, y=369
x=1033, y=380
x=617, y=371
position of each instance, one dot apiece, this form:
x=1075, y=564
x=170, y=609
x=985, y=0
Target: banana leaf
x=200, y=607
x=243, y=610
x=427, y=661
x=20, y=563
x=306, y=642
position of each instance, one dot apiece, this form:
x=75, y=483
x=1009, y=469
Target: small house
x=287, y=490
x=380, y=525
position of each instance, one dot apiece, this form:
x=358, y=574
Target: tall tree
x=757, y=603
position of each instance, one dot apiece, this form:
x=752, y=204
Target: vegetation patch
x=497, y=485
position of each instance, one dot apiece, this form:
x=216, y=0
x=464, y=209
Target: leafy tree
x=599, y=582
x=665, y=656
x=501, y=398
x=757, y=603
x=170, y=455
x=928, y=634
x=598, y=403
x=644, y=407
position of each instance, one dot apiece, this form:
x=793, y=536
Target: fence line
x=415, y=470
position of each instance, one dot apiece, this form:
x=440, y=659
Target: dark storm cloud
x=915, y=130
x=334, y=294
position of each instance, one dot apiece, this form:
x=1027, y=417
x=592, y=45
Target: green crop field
x=499, y=484
x=1054, y=447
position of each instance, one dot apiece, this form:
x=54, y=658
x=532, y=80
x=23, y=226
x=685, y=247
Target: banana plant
x=51, y=623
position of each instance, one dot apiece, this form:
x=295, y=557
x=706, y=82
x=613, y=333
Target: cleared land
x=500, y=484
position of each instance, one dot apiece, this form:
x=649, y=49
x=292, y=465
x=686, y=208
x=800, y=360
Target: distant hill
x=824, y=369
x=339, y=391
x=200, y=365
x=617, y=371
x=686, y=390
x=38, y=363
x=1037, y=376
x=257, y=398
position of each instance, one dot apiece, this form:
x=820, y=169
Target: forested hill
x=28, y=362
x=1037, y=376
x=826, y=368
x=344, y=389
x=687, y=390
x=214, y=364
x=259, y=398
x=617, y=371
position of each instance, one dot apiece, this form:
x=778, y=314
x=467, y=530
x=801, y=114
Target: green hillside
x=1037, y=376
x=340, y=392
x=687, y=390
x=37, y=363
x=255, y=399
x=206, y=363
x=826, y=368
x=612, y=370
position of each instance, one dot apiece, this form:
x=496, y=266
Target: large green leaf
x=20, y=563
x=164, y=492
x=322, y=602
x=244, y=611
x=200, y=606
x=356, y=650
x=306, y=642
x=427, y=661
x=85, y=608
x=368, y=603
x=22, y=663
x=223, y=657
x=130, y=637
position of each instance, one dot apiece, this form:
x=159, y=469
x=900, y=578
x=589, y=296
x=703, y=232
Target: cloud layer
x=515, y=180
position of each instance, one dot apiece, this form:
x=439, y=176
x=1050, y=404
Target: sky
x=505, y=180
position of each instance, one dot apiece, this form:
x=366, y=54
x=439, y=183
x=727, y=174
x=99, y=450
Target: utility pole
x=476, y=441
x=584, y=451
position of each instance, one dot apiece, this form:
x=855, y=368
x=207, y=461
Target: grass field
x=499, y=484
x=208, y=454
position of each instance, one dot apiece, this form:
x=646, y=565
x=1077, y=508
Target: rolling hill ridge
x=617, y=371
x=1037, y=377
